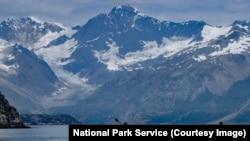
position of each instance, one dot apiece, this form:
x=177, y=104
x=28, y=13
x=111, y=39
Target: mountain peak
x=242, y=22
x=28, y=21
x=15, y=30
x=15, y=22
x=124, y=10
x=126, y=7
x=35, y=19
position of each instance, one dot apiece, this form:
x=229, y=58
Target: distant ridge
x=46, y=119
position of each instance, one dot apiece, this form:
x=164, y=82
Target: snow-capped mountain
x=26, y=68
x=26, y=77
x=26, y=31
x=128, y=65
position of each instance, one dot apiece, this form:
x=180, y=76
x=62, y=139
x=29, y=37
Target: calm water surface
x=36, y=133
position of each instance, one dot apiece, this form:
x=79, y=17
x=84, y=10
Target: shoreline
x=14, y=127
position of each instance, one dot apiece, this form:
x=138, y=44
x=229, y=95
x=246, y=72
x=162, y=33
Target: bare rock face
x=9, y=116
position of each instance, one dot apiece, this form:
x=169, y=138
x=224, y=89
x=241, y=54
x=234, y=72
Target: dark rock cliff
x=9, y=116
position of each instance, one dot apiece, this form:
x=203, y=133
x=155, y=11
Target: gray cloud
x=75, y=12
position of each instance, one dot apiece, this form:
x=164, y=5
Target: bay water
x=36, y=133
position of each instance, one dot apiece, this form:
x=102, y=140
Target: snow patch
x=243, y=27
x=74, y=91
x=5, y=56
x=35, y=19
x=200, y=58
x=10, y=57
x=109, y=57
x=95, y=39
x=4, y=44
x=49, y=37
x=9, y=69
x=46, y=39
x=55, y=55
x=119, y=7
x=210, y=32
x=151, y=50
x=236, y=47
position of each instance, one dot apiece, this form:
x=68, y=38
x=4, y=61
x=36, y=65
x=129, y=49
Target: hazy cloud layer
x=75, y=12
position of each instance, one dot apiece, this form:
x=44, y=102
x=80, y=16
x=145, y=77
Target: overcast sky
x=77, y=12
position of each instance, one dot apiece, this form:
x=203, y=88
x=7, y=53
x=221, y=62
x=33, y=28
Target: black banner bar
x=169, y=132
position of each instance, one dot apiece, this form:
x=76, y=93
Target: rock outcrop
x=9, y=116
